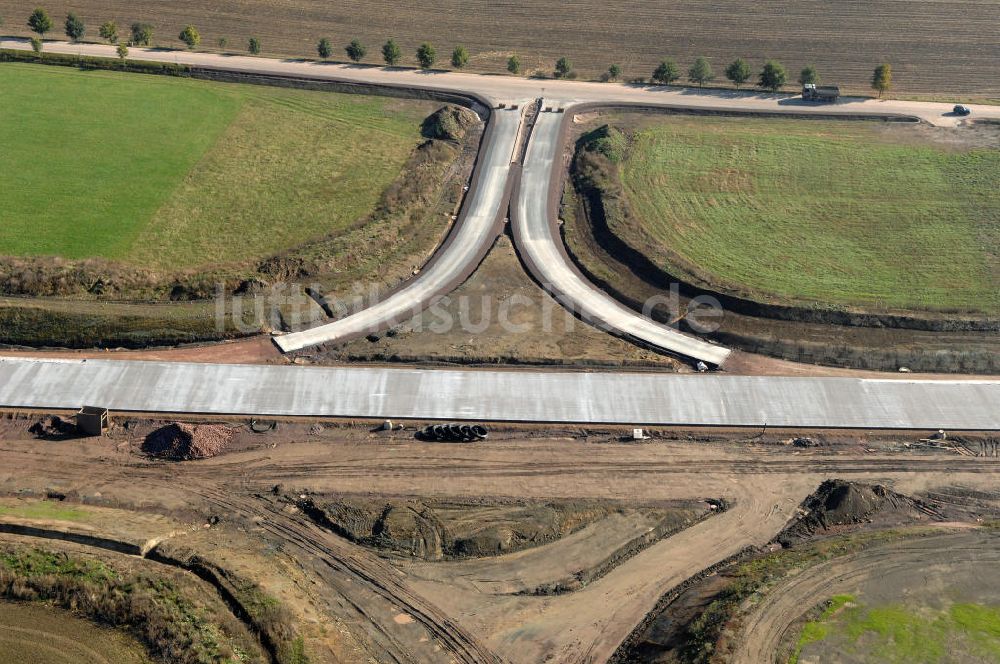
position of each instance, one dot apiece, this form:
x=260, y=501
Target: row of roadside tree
x=772, y=75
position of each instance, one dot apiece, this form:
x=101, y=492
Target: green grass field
x=176, y=173
x=844, y=213
x=900, y=634
x=43, y=509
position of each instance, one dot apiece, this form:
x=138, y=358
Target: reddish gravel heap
x=181, y=442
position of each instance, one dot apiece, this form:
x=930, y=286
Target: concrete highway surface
x=472, y=236
x=538, y=241
x=498, y=395
x=490, y=395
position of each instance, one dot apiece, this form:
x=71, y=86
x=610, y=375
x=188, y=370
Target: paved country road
x=514, y=89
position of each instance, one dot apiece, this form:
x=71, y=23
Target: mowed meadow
x=826, y=212
x=172, y=173
x=935, y=47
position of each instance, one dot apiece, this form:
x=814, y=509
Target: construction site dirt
x=730, y=490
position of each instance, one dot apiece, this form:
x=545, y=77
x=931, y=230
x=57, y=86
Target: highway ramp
x=468, y=242
x=497, y=395
x=539, y=243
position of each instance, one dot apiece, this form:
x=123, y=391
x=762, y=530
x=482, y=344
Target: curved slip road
x=491, y=395
x=537, y=239
x=468, y=242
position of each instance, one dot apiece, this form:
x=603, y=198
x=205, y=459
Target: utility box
x=92, y=420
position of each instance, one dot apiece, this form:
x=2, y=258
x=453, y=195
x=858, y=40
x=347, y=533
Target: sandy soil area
x=392, y=608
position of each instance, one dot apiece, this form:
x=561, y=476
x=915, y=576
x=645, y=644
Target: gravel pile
x=181, y=442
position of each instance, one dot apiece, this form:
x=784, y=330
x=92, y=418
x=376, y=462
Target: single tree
x=356, y=50
x=223, y=42
x=324, y=48
x=514, y=64
x=882, y=78
x=700, y=72
x=39, y=22
x=666, y=73
x=122, y=52
x=772, y=76
x=614, y=72
x=189, y=35
x=808, y=75
x=459, y=57
x=109, y=32
x=563, y=67
x=253, y=46
x=391, y=53
x=36, y=46
x=74, y=27
x=426, y=55
x=142, y=34
x=738, y=72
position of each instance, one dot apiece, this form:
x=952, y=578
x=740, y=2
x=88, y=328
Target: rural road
x=491, y=395
x=537, y=239
x=518, y=89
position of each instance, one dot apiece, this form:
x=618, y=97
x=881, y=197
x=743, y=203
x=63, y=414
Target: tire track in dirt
x=764, y=487
x=763, y=630
x=346, y=558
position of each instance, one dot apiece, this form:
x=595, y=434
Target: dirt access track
x=410, y=610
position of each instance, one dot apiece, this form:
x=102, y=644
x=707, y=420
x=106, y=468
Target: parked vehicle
x=824, y=93
x=961, y=110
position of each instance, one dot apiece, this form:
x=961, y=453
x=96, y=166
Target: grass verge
x=172, y=621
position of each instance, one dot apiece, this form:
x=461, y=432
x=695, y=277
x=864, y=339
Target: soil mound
x=449, y=123
x=53, y=427
x=838, y=505
x=181, y=442
x=433, y=530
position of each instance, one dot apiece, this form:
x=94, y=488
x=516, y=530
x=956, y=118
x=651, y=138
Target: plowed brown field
x=935, y=46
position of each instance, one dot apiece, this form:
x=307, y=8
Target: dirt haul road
x=408, y=615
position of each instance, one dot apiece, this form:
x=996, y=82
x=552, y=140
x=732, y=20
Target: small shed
x=92, y=420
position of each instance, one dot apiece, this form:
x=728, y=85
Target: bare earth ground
x=498, y=316
x=934, y=47
x=44, y=635
x=925, y=571
x=387, y=607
